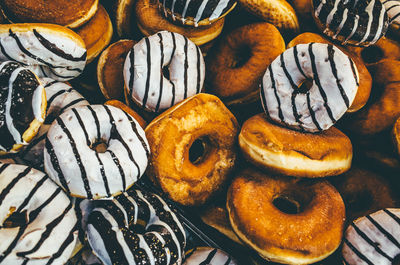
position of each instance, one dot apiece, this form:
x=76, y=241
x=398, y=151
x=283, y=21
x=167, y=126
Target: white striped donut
x=164, y=53
x=60, y=97
x=373, y=239
x=356, y=22
x=392, y=10
x=38, y=220
x=334, y=85
x=136, y=227
x=22, y=106
x=48, y=50
x=209, y=256
x=84, y=172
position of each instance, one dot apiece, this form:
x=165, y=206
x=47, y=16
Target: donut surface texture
x=71, y=160
x=373, y=239
x=284, y=219
x=38, y=220
x=49, y=50
x=136, y=227
x=393, y=10
x=209, y=256
x=334, y=80
x=193, y=148
x=152, y=56
x=359, y=23
x=22, y=106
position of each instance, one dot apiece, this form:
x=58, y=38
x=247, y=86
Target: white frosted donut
x=136, y=227
x=85, y=172
x=209, y=256
x=38, y=220
x=60, y=97
x=334, y=80
x=392, y=10
x=373, y=239
x=162, y=70
x=48, y=50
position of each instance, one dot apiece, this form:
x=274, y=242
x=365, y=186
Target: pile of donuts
x=257, y=114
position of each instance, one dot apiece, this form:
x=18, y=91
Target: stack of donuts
x=277, y=122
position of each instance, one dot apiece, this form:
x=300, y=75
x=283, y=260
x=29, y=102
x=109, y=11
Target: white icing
x=222, y=4
x=200, y=254
x=393, y=7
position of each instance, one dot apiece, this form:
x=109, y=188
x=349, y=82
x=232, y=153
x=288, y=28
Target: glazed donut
x=49, y=50
x=364, y=88
x=334, y=86
x=60, y=97
x=209, y=256
x=150, y=20
x=363, y=192
x=72, y=160
x=162, y=70
x=293, y=153
x=22, y=106
x=284, y=219
x=396, y=136
x=239, y=60
x=136, y=227
x=193, y=148
x=196, y=13
x=71, y=14
x=373, y=239
x=38, y=220
x=359, y=23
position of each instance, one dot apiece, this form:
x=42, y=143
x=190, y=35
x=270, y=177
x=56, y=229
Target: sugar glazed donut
x=38, y=220
x=284, y=219
x=22, y=106
x=72, y=160
x=359, y=23
x=162, y=70
x=373, y=239
x=193, y=148
x=334, y=86
x=49, y=50
x=209, y=256
x=136, y=227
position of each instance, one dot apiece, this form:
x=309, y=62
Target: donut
x=60, y=97
x=193, y=148
x=71, y=14
x=136, y=116
x=294, y=153
x=109, y=69
x=75, y=156
x=208, y=255
x=359, y=23
x=136, y=227
x=237, y=63
x=196, y=13
x=365, y=82
x=396, y=136
x=150, y=20
x=373, y=239
x=49, y=50
x=333, y=83
x=393, y=11
x=22, y=106
x=124, y=15
x=96, y=33
x=38, y=220
x=363, y=192
x=284, y=219
x=162, y=70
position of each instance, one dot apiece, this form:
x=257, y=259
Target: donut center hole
x=292, y=201
x=165, y=71
x=241, y=56
x=304, y=87
x=16, y=219
x=372, y=54
x=100, y=146
x=359, y=201
x=198, y=150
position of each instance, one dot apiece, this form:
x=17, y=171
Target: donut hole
x=199, y=150
x=165, y=72
x=241, y=56
x=100, y=146
x=372, y=54
x=16, y=219
x=292, y=201
x=359, y=201
x=305, y=86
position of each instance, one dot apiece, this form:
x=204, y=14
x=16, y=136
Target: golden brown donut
x=236, y=65
x=294, y=153
x=96, y=33
x=150, y=21
x=396, y=136
x=71, y=14
x=284, y=219
x=124, y=17
x=364, y=89
x=109, y=69
x=119, y=104
x=192, y=148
